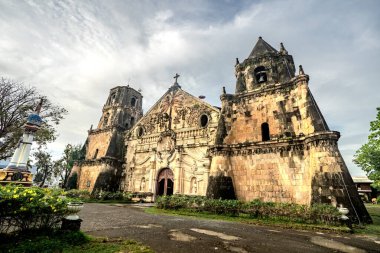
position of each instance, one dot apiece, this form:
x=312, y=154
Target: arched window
x=265, y=132
x=140, y=131
x=132, y=121
x=105, y=119
x=260, y=74
x=204, y=120
x=113, y=98
x=133, y=102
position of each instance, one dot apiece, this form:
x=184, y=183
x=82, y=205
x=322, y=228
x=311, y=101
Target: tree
x=368, y=156
x=16, y=102
x=63, y=166
x=45, y=166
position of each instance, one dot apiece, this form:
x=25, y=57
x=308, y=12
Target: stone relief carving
x=166, y=145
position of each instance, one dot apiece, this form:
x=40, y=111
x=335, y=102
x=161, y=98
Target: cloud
x=75, y=51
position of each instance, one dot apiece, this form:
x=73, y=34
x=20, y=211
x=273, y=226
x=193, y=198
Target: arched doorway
x=165, y=182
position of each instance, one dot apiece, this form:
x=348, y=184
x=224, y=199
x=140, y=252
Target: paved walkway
x=167, y=234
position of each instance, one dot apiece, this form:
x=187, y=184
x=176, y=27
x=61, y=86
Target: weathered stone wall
x=98, y=175
x=98, y=143
x=288, y=109
x=272, y=172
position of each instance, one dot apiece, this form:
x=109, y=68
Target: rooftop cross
x=176, y=77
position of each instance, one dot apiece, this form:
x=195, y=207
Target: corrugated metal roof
x=363, y=179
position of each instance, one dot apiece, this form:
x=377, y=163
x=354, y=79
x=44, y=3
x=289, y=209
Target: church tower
x=273, y=143
x=103, y=162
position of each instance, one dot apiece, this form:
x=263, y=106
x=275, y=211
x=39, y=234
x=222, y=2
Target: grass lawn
x=109, y=246
x=373, y=229
x=249, y=220
x=68, y=242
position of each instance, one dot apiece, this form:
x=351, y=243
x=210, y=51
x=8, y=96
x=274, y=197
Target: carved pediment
x=176, y=109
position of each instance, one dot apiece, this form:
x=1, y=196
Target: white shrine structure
x=17, y=170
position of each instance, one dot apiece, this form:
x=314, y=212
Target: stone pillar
x=177, y=170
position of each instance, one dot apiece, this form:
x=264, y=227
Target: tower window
x=113, y=98
x=96, y=153
x=265, y=132
x=133, y=102
x=132, y=121
x=260, y=74
x=105, y=119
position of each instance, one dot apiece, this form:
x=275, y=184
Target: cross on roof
x=176, y=77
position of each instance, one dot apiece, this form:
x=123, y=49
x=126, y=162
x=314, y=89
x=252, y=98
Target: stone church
x=268, y=141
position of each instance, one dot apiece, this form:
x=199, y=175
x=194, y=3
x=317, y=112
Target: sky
x=76, y=51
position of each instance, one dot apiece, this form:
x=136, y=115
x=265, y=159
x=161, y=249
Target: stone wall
x=98, y=143
x=98, y=175
x=288, y=109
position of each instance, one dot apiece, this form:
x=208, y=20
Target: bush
x=319, y=213
x=78, y=194
x=106, y=195
x=31, y=208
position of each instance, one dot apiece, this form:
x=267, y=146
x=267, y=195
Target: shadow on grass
x=73, y=242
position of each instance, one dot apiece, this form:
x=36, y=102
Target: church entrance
x=165, y=182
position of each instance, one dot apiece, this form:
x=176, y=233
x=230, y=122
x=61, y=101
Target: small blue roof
x=34, y=119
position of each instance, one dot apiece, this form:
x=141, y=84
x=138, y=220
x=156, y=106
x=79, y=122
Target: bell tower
x=102, y=167
x=122, y=109
x=273, y=142
x=264, y=67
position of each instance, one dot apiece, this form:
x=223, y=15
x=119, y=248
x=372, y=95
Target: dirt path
x=167, y=234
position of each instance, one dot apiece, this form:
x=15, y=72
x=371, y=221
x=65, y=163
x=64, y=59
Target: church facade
x=268, y=141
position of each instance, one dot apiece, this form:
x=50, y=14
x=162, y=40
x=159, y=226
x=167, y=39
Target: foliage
x=316, y=214
x=16, y=102
x=78, y=194
x=106, y=195
x=45, y=166
x=98, y=196
x=72, y=181
x=368, y=156
x=33, y=208
x=63, y=166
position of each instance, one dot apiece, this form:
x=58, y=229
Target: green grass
x=248, y=220
x=67, y=242
x=109, y=246
x=372, y=229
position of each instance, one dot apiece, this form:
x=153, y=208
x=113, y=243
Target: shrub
x=319, y=213
x=78, y=194
x=106, y=195
x=31, y=208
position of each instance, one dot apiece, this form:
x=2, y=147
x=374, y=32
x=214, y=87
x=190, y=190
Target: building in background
x=366, y=192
